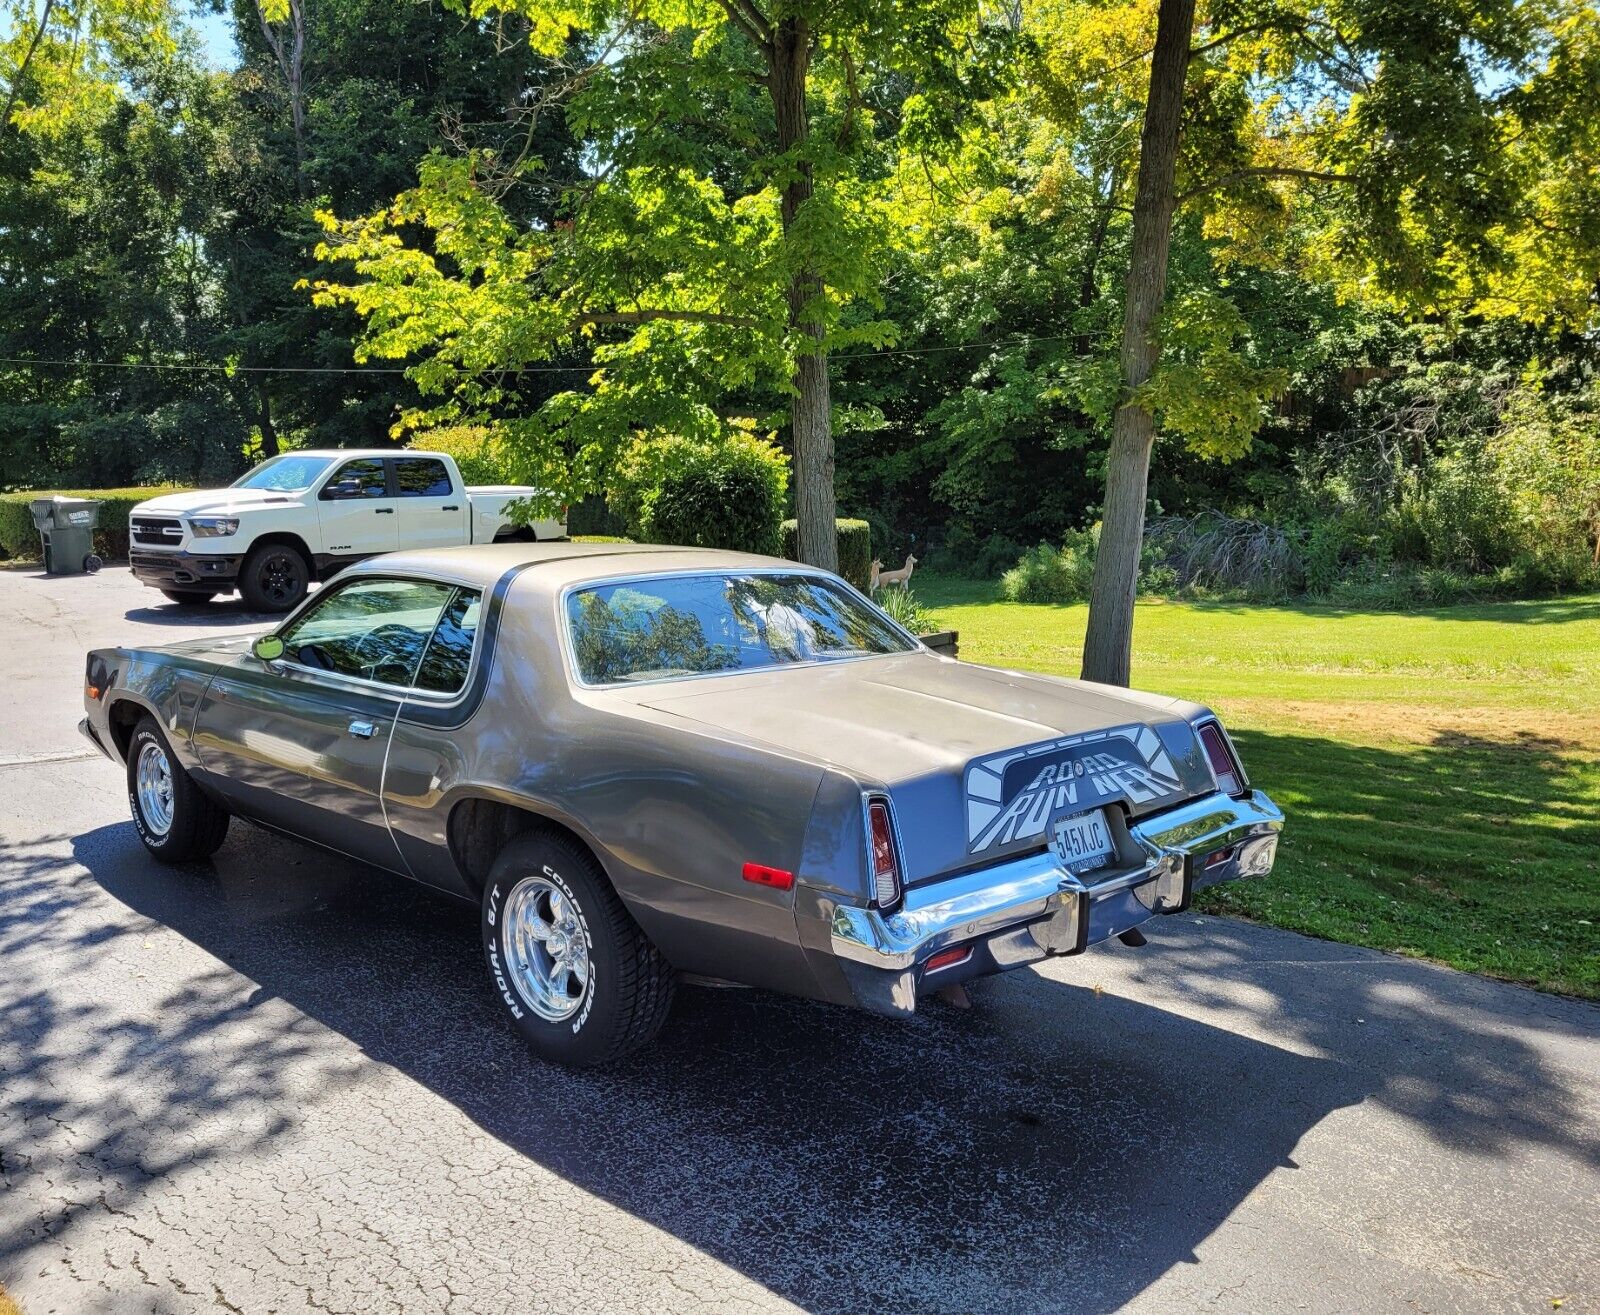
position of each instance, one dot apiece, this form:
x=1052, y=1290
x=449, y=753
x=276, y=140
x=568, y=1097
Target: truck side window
x=449, y=652
x=422, y=477
x=362, y=478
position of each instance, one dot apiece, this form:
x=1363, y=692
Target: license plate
x=1083, y=842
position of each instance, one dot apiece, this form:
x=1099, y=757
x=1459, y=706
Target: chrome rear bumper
x=1029, y=908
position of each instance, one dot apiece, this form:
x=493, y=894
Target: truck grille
x=159, y=531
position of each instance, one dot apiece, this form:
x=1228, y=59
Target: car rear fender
x=133, y=684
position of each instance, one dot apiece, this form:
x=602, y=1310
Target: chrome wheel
x=547, y=948
x=153, y=780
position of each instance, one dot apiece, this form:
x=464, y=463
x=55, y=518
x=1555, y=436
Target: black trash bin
x=66, y=527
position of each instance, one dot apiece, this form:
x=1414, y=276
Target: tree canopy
x=913, y=243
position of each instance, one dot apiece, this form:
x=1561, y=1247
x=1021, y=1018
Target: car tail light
x=1229, y=778
x=885, y=862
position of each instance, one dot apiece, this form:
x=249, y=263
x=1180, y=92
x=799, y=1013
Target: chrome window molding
x=399, y=694
x=570, y=655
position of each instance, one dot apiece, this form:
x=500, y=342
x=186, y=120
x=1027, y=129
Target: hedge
x=19, y=539
x=726, y=493
x=855, y=550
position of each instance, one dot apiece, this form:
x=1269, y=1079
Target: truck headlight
x=213, y=527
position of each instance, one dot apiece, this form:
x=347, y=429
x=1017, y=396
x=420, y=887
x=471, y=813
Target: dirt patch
x=1361, y=722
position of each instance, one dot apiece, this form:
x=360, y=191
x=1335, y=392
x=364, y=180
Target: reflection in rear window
x=654, y=629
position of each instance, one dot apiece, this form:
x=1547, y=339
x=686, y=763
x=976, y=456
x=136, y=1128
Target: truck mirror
x=269, y=648
x=345, y=488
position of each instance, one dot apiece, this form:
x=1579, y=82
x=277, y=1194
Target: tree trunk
x=1089, y=279
x=1108, y=645
x=810, y=410
x=269, y=435
x=291, y=58
x=27, y=58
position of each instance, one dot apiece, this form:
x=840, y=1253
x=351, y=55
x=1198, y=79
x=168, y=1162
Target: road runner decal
x=1013, y=795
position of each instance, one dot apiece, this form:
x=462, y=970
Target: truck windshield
x=286, y=474
x=667, y=626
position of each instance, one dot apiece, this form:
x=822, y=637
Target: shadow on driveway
x=1052, y=1148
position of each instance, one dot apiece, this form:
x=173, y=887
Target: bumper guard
x=1031, y=907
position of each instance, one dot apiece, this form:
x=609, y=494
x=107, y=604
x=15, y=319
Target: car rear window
x=661, y=627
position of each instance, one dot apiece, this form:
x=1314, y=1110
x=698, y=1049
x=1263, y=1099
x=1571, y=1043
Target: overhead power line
x=221, y=367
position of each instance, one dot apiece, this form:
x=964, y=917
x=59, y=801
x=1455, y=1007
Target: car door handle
x=365, y=729
x=449, y=508
x=384, y=511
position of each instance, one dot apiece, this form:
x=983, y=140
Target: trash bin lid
x=58, y=512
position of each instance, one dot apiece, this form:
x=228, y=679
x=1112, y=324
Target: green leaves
x=1206, y=390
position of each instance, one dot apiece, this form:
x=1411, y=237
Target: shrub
x=964, y=553
x=727, y=493
x=855, y=549
x=19, y=539
x=480, y=456
x=1047, y=574
x=1211, y=551
x=905, y=607
x=1546, y=460
x=590, y=515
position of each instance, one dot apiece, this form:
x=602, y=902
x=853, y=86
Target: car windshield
x=285, y=474
x=667, y=626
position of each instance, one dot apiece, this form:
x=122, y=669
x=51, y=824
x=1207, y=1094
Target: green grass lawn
x=1440, y=769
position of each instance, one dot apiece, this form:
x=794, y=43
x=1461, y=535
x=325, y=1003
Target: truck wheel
x=274, y=578
x=174, y=819
x=581, y=982
x=182, y=596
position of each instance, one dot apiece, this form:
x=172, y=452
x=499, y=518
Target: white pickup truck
x=303, y=515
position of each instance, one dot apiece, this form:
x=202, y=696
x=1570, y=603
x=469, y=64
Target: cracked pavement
x=279, y=1083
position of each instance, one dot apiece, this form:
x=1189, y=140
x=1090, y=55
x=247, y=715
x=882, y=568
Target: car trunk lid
x=976, y=759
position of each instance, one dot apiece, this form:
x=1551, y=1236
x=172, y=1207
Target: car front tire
x=176, y=821
x=274, y=578
x=581, y=982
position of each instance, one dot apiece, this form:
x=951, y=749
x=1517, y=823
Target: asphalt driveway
x=278, y=1083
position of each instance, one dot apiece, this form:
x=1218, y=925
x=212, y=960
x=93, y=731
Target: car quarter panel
x=672, y=810
x=169, y=684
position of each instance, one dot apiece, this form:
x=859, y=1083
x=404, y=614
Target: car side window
x=372, y=630
x=422, y=477
x=362, y=478
x=449, y=654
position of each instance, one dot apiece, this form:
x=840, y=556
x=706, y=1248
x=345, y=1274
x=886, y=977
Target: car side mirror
x=269, y=648
x=345, y=488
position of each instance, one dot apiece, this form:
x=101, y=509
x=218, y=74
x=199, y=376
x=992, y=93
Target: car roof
x=363, y=452
x=559, y=563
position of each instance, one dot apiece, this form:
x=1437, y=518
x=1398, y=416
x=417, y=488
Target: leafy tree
x=103, y=219
x=728, y=237
x=1436, y=121
x=61, y=57
x=334, y=104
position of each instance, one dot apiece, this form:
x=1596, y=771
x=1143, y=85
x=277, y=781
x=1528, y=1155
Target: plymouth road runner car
x=643, y=763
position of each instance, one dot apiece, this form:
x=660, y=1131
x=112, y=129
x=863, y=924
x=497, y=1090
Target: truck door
x=356, y=510
x=432, y=510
